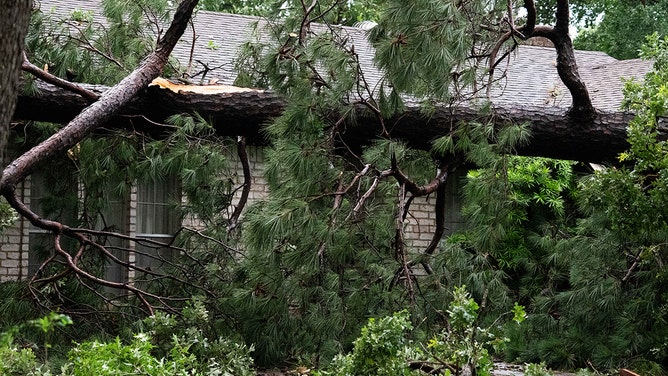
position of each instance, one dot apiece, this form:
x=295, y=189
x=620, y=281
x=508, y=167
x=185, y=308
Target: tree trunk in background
x=13, y=30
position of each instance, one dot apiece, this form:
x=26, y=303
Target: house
x=531, y=81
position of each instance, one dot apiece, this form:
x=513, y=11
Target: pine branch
x=369, y=192
x=88, y=45
x=400, y=247
x=342, y=191
x=45, y=76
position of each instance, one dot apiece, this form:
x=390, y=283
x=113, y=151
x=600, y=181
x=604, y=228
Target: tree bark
x=566, y=65
x=13, y=30
x=243, y=112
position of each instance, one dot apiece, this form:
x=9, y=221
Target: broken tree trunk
x=237, y=111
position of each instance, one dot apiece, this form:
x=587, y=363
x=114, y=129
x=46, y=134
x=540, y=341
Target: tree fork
x=582, y=107
x=242, y=153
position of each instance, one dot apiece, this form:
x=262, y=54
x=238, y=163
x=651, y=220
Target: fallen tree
x=140, y=102
x=235, y=111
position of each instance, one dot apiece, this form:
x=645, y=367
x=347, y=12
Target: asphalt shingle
x=530, y=79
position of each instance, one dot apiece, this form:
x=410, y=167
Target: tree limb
x=110, y=103
x=243, y=157
x=412, y=187
x=400, y=247
x=31, y=68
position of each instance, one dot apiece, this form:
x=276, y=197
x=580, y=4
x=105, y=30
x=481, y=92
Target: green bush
x=20, y=362
x=137, y=358
x=23, y=361
x=536, y=369
x=168, y=347
x=463, y=344
x=381, y=349
x=7, y=215
x=220, y=356
x=115, y=358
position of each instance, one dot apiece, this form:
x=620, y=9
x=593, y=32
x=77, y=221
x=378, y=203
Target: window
x=157, y=220
x=114, y=218
x=56, y=202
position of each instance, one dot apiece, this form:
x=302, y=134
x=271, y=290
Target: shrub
x=96, y=358
x=20, y=362
x=219, y=356
x=463, y=344
x=381, y=349
x=536, y=369
x=136, y=358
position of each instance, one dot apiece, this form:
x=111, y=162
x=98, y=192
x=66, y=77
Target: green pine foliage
x=321, y=255
x=609, y=307
x=79, y=49
x=591, y=278
x=311, y=276
x=426, y=47
x=508, y=201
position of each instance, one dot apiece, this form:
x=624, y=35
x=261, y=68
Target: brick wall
x=259, y=188
x=12, y=260
x=14, y=245
x=420, y=225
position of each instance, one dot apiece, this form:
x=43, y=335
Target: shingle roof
x=531, y=78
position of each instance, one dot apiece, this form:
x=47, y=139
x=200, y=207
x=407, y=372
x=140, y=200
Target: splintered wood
x=201, y=89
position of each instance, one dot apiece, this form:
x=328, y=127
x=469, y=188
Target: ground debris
x=508, y=369
x=500, y=369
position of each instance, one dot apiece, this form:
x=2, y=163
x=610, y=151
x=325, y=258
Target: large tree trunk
x=243, y=112
x=13, y=30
